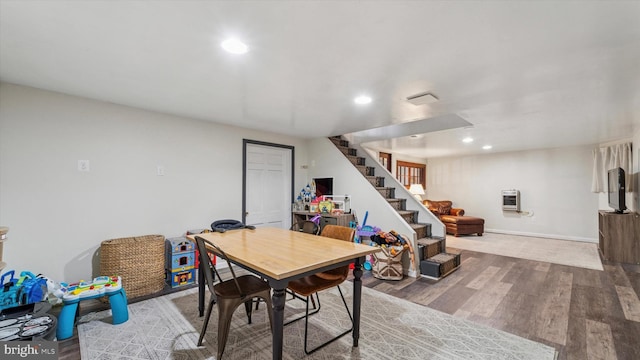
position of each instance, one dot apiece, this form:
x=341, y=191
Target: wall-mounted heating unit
x=511, y=200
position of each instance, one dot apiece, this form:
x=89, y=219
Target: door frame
x=246, y=142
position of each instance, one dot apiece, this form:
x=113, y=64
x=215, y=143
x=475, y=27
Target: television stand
x=619, y=236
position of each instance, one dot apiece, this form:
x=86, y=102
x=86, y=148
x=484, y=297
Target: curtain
x=610, y=157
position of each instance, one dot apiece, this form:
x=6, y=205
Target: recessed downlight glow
x=234, y=46
x=487, y=147
x=467, y=140
x=362, y=100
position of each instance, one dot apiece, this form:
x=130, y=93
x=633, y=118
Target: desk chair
x=229, y=294
x=307, y=286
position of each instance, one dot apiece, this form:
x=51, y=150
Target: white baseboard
x=546, y=236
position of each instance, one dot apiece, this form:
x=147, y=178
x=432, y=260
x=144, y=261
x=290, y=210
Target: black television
x=324, y=186
x=616, y=188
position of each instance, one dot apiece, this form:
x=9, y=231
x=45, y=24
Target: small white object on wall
x=511, y=200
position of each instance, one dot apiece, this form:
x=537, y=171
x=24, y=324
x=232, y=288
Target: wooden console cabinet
x=619, y=237
x=326, y=219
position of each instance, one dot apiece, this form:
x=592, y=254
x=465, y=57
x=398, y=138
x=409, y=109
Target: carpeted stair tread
x=442, y=257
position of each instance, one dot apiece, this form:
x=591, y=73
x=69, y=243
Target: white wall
x=554, y=184
x=58, y=216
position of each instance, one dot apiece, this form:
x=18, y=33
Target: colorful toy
x=27, y=289
x=180, y=261
x=72, y=294
x=367, y=230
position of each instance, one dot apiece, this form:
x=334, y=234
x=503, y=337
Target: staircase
x=431, y=250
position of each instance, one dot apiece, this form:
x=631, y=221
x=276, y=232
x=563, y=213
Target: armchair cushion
x=442, y=207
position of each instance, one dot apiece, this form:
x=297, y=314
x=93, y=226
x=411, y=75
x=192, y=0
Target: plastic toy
x=180, y=260
x=27, y=289
x=72, y=294
x=367, y=230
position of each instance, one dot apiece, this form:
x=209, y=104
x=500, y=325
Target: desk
x=280, y=256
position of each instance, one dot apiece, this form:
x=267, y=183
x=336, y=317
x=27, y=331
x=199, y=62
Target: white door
x=268, y=185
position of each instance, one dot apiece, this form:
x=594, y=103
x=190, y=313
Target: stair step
x=348, y=150
x=356, y=160
x=408, y=215
x=398, y=204
x=366, y=170
x=429, y=247
x=387, y=192
x=422, y=230
x=440, y=265
x=377, y=181
x=338, y=141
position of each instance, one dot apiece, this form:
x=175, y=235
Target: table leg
x=201, y=289
x=357, y=297
x=278, y=299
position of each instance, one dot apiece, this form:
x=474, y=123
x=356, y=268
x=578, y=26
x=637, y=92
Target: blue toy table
x=101, y=286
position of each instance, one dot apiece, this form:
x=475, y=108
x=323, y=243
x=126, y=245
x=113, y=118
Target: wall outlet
x=84, y=166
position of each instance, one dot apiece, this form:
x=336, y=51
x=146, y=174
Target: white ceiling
x=526, y=74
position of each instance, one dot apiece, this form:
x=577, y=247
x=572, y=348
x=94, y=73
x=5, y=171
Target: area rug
x=563, y=252
x=168, y=327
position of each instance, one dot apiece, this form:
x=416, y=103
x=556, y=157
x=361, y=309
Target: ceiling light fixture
x=234, y=46
x=362, y=100
x=467, y=140
x=487, y=147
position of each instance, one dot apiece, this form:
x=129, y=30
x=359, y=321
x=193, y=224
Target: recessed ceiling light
x=362, y=100
x=234, y=46
x=467, y=140
x=487, y=147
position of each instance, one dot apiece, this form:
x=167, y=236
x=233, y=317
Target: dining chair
x=310, y=285
x=229, y=294
x=306, y=226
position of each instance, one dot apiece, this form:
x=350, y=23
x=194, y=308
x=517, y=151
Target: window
x=411, y=173
x=385, y=160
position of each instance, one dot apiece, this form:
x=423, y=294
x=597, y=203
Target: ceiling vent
x=422, y=99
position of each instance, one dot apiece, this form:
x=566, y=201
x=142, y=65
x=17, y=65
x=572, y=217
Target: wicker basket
x=138, y=260
x=387, y=266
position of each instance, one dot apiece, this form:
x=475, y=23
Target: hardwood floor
x=582, y=313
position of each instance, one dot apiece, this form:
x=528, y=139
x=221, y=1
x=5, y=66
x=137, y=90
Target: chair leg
x=307, y=313
x=206, y=321
x=248, y=305
x=306, y=326
x=225, y=313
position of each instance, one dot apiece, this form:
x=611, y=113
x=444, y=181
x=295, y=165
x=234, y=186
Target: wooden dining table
x=280, y=256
